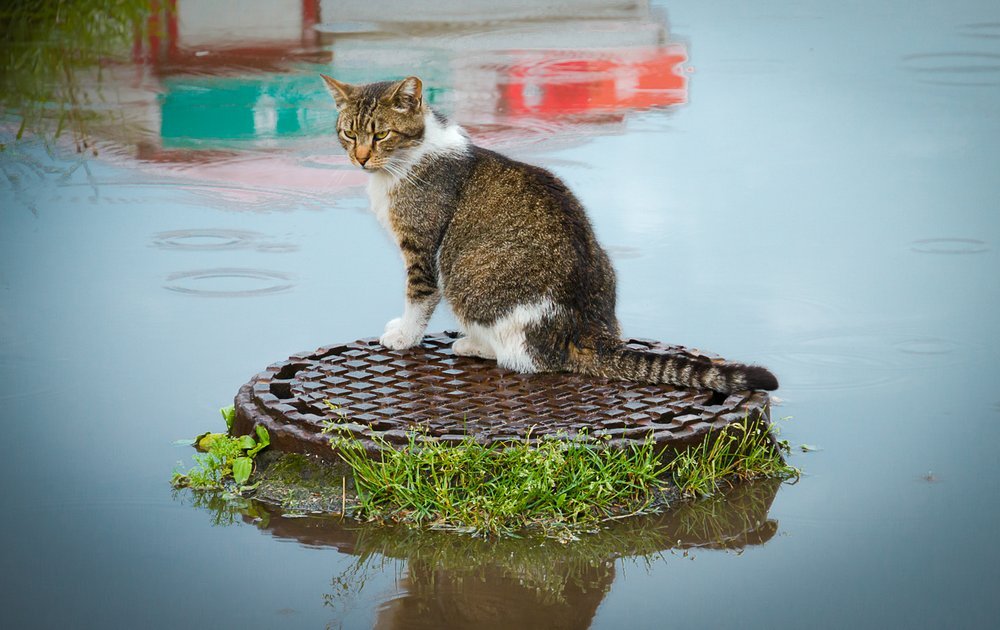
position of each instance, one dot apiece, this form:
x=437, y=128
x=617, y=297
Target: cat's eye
x=347, y=134
x=381, y=135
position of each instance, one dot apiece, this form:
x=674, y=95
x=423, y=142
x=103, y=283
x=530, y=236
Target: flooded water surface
x=812, y=186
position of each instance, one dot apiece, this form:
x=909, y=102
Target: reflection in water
x=51, y=55
x=241, y=97
x=450, y=580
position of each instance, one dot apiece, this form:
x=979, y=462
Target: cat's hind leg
x=473, y=346
x=506, y=337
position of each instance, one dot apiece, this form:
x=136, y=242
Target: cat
x=505, y=243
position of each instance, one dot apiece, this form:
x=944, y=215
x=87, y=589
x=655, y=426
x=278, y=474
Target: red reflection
x=160, y=43
x=557, y=87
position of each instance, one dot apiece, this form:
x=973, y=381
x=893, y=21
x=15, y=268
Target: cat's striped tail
x=684, y=370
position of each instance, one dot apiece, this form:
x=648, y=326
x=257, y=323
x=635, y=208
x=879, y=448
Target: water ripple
x=838, y=360
x=203, y=240
x=980, y=30
x=229, y=282
x=623, y=252
x=213, y=239
x=955, y=68
x=949, y=246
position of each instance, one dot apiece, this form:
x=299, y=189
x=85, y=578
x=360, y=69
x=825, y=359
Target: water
x=812, y=187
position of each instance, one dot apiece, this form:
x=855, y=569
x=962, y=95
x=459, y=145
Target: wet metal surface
x=373, y=393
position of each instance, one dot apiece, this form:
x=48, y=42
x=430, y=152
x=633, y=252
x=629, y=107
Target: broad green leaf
x=204, y=441
x=246, y=442
x=242, y=467
x=229, y=415
x=263, y=439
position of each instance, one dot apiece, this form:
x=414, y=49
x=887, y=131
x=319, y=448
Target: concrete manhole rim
x=431, y=394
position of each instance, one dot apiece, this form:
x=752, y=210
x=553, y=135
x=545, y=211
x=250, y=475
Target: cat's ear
x=341, y=92
x=406, y=95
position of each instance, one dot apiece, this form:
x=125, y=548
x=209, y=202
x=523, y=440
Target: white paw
x=393, y=324
x=398, y=337
x=465, y=347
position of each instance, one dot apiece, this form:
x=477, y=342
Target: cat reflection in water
x=505, y=243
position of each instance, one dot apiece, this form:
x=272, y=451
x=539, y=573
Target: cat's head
x=378, y=122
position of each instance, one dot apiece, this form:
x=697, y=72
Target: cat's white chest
x=379, y=186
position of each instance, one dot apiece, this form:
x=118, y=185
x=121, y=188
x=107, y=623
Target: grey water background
x=826, y=202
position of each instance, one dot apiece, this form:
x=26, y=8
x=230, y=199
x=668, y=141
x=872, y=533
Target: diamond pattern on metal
x=430, y=392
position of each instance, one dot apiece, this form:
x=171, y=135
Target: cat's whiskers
x=403, y=173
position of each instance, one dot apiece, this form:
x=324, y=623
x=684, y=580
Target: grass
x=741, y=452
x=557, y=487
x=554, y=486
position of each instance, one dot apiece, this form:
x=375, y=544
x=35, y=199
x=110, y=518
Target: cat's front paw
x=398, y=336
x=393, y=324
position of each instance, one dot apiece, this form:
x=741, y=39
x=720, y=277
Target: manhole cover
x=429, y=392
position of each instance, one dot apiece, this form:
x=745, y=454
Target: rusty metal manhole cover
x=429, y=391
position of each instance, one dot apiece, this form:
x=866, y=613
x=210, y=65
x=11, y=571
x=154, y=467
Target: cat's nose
x=362, y=154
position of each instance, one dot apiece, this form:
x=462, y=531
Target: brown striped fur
x=505, y=243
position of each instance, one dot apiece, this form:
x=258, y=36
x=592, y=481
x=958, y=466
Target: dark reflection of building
x=452, y=580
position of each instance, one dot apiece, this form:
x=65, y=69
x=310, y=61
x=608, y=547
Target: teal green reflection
x=227, y=112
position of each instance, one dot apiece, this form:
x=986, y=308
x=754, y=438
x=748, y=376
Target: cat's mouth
x=373, y=166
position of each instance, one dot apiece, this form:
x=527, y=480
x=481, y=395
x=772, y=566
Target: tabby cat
x=505, y=243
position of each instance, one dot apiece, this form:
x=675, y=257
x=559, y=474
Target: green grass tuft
x=740, y=452
x=556, y=486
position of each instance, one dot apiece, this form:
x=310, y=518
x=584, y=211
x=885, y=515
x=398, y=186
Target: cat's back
x=505, y=198
x=518, y=234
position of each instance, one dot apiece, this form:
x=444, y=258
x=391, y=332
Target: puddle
x=746, y=174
